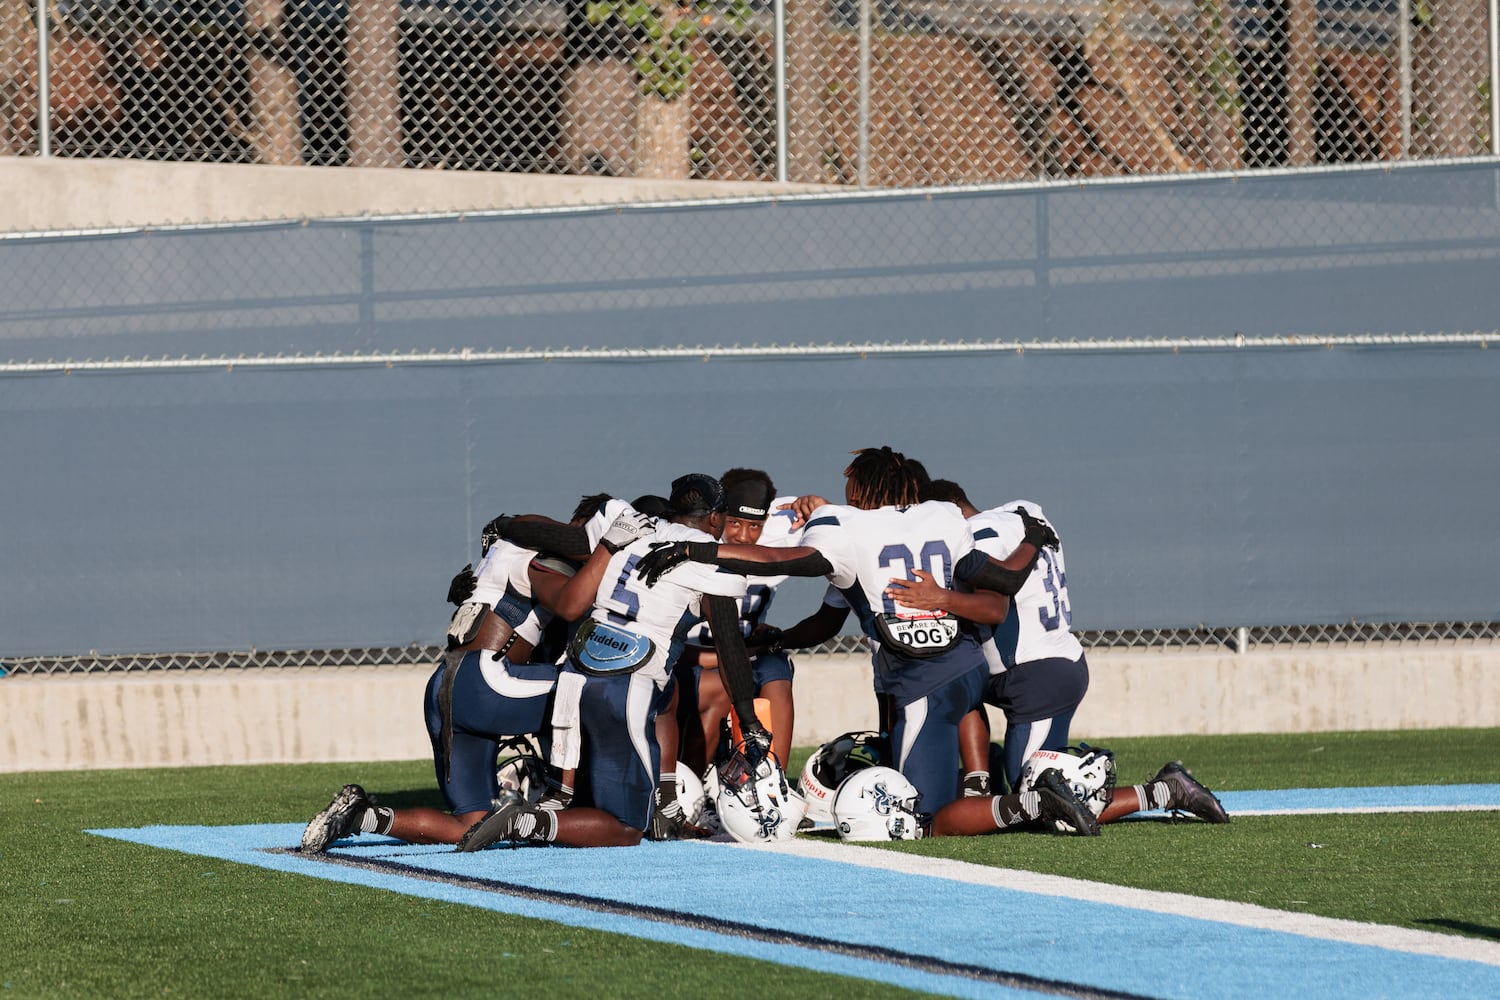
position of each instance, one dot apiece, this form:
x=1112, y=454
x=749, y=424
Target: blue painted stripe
x=818, y=521
x=249, y=845
x=984, y=533
x=1106, y=946
x=1378, y=797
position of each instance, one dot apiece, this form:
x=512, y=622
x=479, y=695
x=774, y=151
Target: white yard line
x=1242, y=914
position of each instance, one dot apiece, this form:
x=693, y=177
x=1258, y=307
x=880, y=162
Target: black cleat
x=1061, y=808
x=337, y=821
x=1189, y=795
x=675, y=827
x=498, y=824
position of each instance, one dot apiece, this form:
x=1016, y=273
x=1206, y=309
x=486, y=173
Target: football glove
x=757, y=740
x=493, y=532
x=1038, y=532
x=666, y=556
x=765, y=638
x=462, y=587
x=629, y=526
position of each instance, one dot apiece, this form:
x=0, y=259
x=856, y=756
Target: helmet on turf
x=709, y=816
x=519, y=768
x=834, y=761
x=691, y=796
x=755, y=803
x=877, y=803
x=1088, y=771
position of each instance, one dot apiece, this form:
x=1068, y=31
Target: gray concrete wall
x=59, y=194
x=365, y=714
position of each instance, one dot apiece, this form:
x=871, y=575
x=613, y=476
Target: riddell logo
x=618, y=645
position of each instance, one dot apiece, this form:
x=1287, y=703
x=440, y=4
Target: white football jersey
x=867, y=548
x=665, y=612
x=502, y=582
x=1039, y=625
x=502, y=568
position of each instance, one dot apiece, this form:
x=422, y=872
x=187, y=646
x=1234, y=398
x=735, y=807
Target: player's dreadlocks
x=880, y=477
x=588, y=506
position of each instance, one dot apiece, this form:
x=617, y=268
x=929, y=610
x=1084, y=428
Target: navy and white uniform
x=492, y=698
x=1038, y=672
x=780, y=531
x=930, y=693
x=610, y=718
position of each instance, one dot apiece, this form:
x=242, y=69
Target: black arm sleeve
x=549, y=536
x=979, y=570
x=734, y=663
x=812, y=565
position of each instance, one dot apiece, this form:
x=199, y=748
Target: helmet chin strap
x=756, y=803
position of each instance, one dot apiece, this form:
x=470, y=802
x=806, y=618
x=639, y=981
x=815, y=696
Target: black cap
x=749, y=500
x=696, y=494
x=652, y=505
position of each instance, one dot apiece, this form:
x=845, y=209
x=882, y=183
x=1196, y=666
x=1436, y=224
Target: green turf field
x=91, y=917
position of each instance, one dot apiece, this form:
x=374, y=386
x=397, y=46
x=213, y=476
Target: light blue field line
x=1398, y=798
x=1027, y=932
x=248, y=845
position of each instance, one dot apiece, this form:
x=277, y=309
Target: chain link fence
x=844, y=92
x=1240, y=640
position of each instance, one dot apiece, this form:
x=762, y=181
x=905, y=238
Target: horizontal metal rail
x=471, y=356
x=1238, y=639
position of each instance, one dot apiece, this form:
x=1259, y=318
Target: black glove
x=462, y=587
x=666, y=556
x=757, y=740
x=493, y=532
x=766, y=638
x=1038, y=532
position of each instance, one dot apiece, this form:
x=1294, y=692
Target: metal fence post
x=781, y=109
x=43, y=84
x=1495, y=77
x=862, y=175
x=1403, y=35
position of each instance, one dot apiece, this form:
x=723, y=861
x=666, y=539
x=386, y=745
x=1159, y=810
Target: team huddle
x=613, y=677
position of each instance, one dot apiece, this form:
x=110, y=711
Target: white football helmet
x=877, y=803
x=1088, y=771
x=755, y=804
x=691, y=796
x=520, y=769
x=831, y=763
x=708, y=817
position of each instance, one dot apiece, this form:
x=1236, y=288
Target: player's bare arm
x=924, y=593
x=575, y=596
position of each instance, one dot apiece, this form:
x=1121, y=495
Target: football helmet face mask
x=755, y=804
x=834, y=761
x=520, y=769
x=1089, y=771
x=877, y=803
x=691, y=795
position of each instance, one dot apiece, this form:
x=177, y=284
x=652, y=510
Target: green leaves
x=667, y=34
